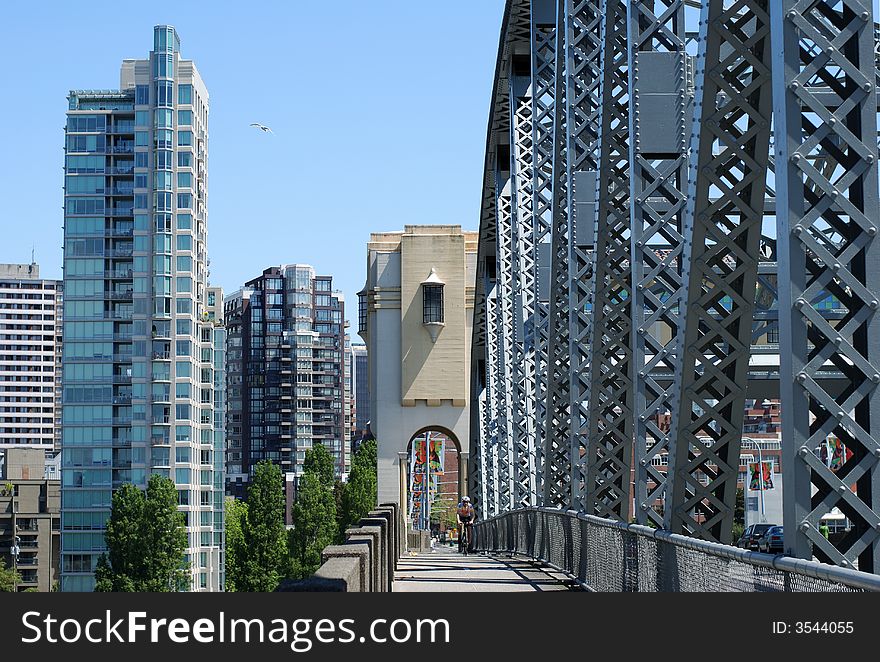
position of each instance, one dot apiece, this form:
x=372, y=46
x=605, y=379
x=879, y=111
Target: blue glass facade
x=138, y=377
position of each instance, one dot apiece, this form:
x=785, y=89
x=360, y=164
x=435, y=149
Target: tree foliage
x=319, y=461
x=360, y=494
x=9, y=578
x=314, y=525
x=236, y=551
x=315, y=513
x=146, y=541
x=264, y=540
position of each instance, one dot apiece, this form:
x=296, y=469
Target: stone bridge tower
x=416, y=316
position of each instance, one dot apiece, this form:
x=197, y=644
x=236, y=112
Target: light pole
x=15, y=540
x=757, y=445
x=15, y=552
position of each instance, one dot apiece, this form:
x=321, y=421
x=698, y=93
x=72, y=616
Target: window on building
x=142, y=95
x=432, y=303
x=184, y=94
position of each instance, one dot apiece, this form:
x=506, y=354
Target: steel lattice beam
x=723, y=232
x=506, y=371
x=496, y=456
x=524, y=290
x=827, y=192
x=658, y=189
x=543, y=70
x=609, y=421
x=584, y=48
x=557, y=456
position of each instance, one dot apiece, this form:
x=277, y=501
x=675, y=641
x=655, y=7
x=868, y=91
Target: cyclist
x=466, y=516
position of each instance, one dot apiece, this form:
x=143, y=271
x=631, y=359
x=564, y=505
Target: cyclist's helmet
x=466, y=499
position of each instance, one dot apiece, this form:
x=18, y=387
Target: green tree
x=314, y=525
x=9, y=578
x=263, y=533
x=146, y=541
x=360, y=494
x=319, y=461
x=338, y=493
x=236, y=551
x=739, y=515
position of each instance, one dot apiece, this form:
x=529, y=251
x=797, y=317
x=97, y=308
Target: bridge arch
x=447, y=468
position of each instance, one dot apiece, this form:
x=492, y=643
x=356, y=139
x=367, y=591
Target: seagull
x=262, y=127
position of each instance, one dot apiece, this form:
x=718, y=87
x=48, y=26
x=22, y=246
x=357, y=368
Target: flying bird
x=262, y=127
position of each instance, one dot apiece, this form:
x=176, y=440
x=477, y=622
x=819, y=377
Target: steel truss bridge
x=648, y=163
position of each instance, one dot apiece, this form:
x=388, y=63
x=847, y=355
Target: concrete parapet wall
x=365, y=562
x=418, y=541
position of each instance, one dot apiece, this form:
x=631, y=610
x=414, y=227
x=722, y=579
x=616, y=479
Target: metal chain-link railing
x=604, y=555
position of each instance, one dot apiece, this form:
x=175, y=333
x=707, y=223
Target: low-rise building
x=30, y=519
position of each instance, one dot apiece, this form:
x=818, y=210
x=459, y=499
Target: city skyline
x=405, y=146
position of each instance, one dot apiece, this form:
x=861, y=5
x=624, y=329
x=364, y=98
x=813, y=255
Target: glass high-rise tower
x=140, y=371
x=286, y=374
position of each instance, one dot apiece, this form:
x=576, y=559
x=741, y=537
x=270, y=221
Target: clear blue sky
x=379, y=110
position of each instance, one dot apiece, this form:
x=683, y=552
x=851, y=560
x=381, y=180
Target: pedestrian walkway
x=444, y=569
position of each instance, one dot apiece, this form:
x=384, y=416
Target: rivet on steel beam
x=802, y=377
x=644, y=463
x=795, y=85
x=865, y=15
x=838, y=341
x=644, y=506
x=800, y=303
x=832, y=121
x=805, y=526
x=836, y=266
x=869, y=158
x=872, y=231
x=867, y=87
x=877, y=451
x=803, y=452
x=795, y=158
x=843, y=489
x=876, y=378
x=844, y=563
x=877, y=526
x=874, y=304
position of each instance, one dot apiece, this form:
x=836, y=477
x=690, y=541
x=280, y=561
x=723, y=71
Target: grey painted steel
x=496, y=456
x=584, y=48
x=524, y=289
x=557, y=449
x=543, y=72
x=505, y=372
x=661, y=99
x=558, y=393
x=827, y=191
x=731, y=142
x=609, y=413
x=608, y=555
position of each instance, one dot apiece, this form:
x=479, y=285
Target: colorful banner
x=424, y=478
x=760, y=479
x=833, y=453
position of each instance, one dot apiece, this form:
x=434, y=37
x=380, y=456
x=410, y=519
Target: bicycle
x=464, y=537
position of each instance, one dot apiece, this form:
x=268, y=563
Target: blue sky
x=379, y=111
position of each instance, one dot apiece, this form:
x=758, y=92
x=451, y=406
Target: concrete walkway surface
x=443, y=569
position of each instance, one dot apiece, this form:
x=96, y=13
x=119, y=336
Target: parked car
x=749, y=538
x=771, y=541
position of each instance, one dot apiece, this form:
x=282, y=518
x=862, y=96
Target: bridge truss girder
x=619, y=260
